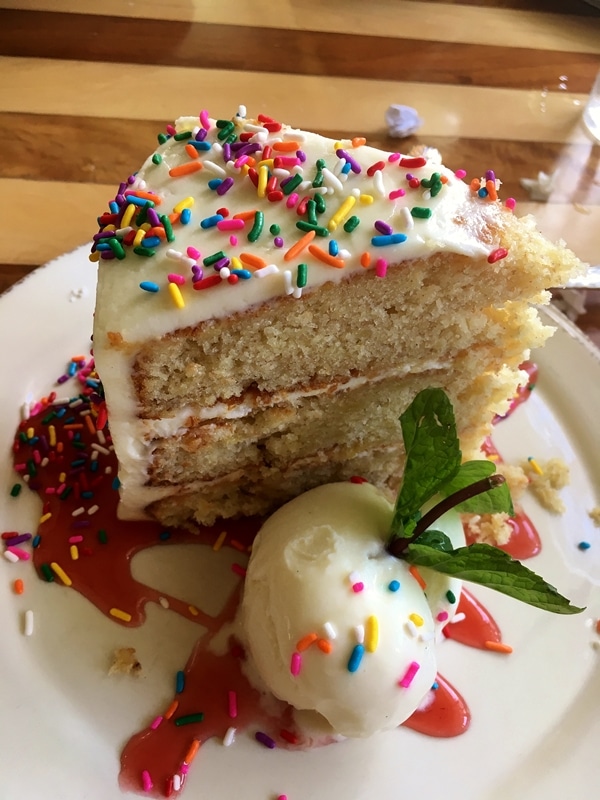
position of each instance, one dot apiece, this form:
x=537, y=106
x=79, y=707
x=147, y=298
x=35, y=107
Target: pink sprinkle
x=230, y=224
x=232, y=704
x=292, y=200
x=192, y=252
x=358, y=587
x=185, y=768
x=409, y=675
x=49, y=490
x=357, y=479
x=21, y=554
x=381, y=267
x=239, y=570
x=233, y=240
x=75, y=539
x=155, y=723
x=176, y=278
x=461, y=173
x=61, y=488
x=239, y=162
x=205, y=119
x=282, y=797
x=171, y=130
x=396, y=193
x=393, y=157
x=147, y=784
x=296, y=664
x=510, y=202
x=442, y=616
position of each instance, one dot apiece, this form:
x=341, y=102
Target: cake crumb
x=594, y=515
x=125, y=662
x=494, y=529
x=516, y=479
x=545, y=481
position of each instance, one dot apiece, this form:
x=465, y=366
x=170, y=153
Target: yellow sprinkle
x=219, y=541
x=341, y=213
x=62, y=477
x=492, y=457
x=266, y=162
x=193, y=611
x=338, y=146
x=366, y=199
x=146, y=227
x=372, y=634
x=236, y=263
x=52, y=435
x=176, y=295
x=245, y=169
x=45, y=517
x=30, y=433
x=95, y=256
x=74, y=552
x=116, y=612
x=109, y=227
x=128, y=215
x=187, y=202
x=59, y=571
x=263, y=177
x=138, y=237
x=535, y=466
x=417, y=619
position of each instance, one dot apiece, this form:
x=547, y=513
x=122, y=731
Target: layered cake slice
x=270, y=301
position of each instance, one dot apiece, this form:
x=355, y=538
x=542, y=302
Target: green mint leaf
x=491, y=502
x=491, y=567
x=432, y=455
x=436, y=539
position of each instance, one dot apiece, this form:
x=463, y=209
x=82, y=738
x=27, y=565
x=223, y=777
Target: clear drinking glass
x=591, y=112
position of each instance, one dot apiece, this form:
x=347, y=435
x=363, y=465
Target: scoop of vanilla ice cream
x=332, y=622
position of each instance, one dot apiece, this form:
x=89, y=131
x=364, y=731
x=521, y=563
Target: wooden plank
x=83, y=149
x=134, y=92
x=139, y=41
x=436, y=22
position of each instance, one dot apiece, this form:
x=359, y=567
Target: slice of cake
x=269, y=302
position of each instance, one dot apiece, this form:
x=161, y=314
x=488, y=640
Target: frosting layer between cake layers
x=270, y=300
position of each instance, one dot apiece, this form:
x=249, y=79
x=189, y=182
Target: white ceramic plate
x=536, y=718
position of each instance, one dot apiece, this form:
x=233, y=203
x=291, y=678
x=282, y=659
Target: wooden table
x=497, y=84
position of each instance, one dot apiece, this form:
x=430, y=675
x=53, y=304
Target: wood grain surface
x=498, y=85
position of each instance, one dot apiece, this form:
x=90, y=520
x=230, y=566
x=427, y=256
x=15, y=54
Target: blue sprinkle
x=150, y=241
x=333, y=247
x=482, y=192
x=584, y=545
x=87, y=495
x=94, y=384
x=186, y=216
x=72, y=368
x=180, y=682
x=35, y=542
x=78, y=462
x=393, y=586
x=103, y=246
x=210, y=222
x=390, y=238
x=149, y=286
x=435, y=685
x=116, y=483
x=346, y=168
x=164, y=535
x=61, y=412
x=214, y=183
x=94, y=466
x=355, y=657
x=199, y=145
x=113, y=207
x=244, y=274
x=139, y=201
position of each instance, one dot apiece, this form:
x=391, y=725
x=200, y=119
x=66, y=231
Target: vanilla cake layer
x=287, y=362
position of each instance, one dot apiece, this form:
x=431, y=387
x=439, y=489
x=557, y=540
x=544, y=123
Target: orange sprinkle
x=191, y=151
x=299, y=246
x=174, y=217
x=219, y=541
x=498, y=647
x=193, y=611
x=444, y=178
x=306, y=641
x=78, y=358
x=475, y=185
x=250, y=163
x=19, y=586
x=417, y=576
x=245, y=215
x=192, y=752
x=59, y=447
x=324, y=645
x=286, y=147
x=598, y=626
x=90, y=424
x=250, y=260
x=185, y=169
x=74, y=426
x=238, y=545
x=491, y=190
x=171, y=709
x=159, y=231
x=146, y=196
x=324, y=256
x=365, y=260
x=358, y=141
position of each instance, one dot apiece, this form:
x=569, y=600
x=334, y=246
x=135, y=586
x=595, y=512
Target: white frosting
x=304, y=563
x=123, y=308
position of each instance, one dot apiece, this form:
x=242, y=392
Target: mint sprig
x=433, y=467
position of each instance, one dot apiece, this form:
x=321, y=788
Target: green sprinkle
x=420, y=212
x=311, y=212
x=147, y=252
x=166, y=222
x=351, y=223
x=142, y=217
x=223, y=123
x=231, y=138
x=16, y=490
x=47, y=573
x=48, y=418
x=65, y=493
x=210, y=260
x=180, y=137
x=292, y=184
x=23, y=437
x=117, y=248
x=163, y=137
x=31, y=468
x=275, y=229
x=436, y=188
x=102, y=537
x=226, y=129
x=303, y=225
x=320, y=203
x=79, y=445
x=259, y=221
x=318, y=180
x=188, y=719
x=302, y=275
x=450, y=596
x=157, y=158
